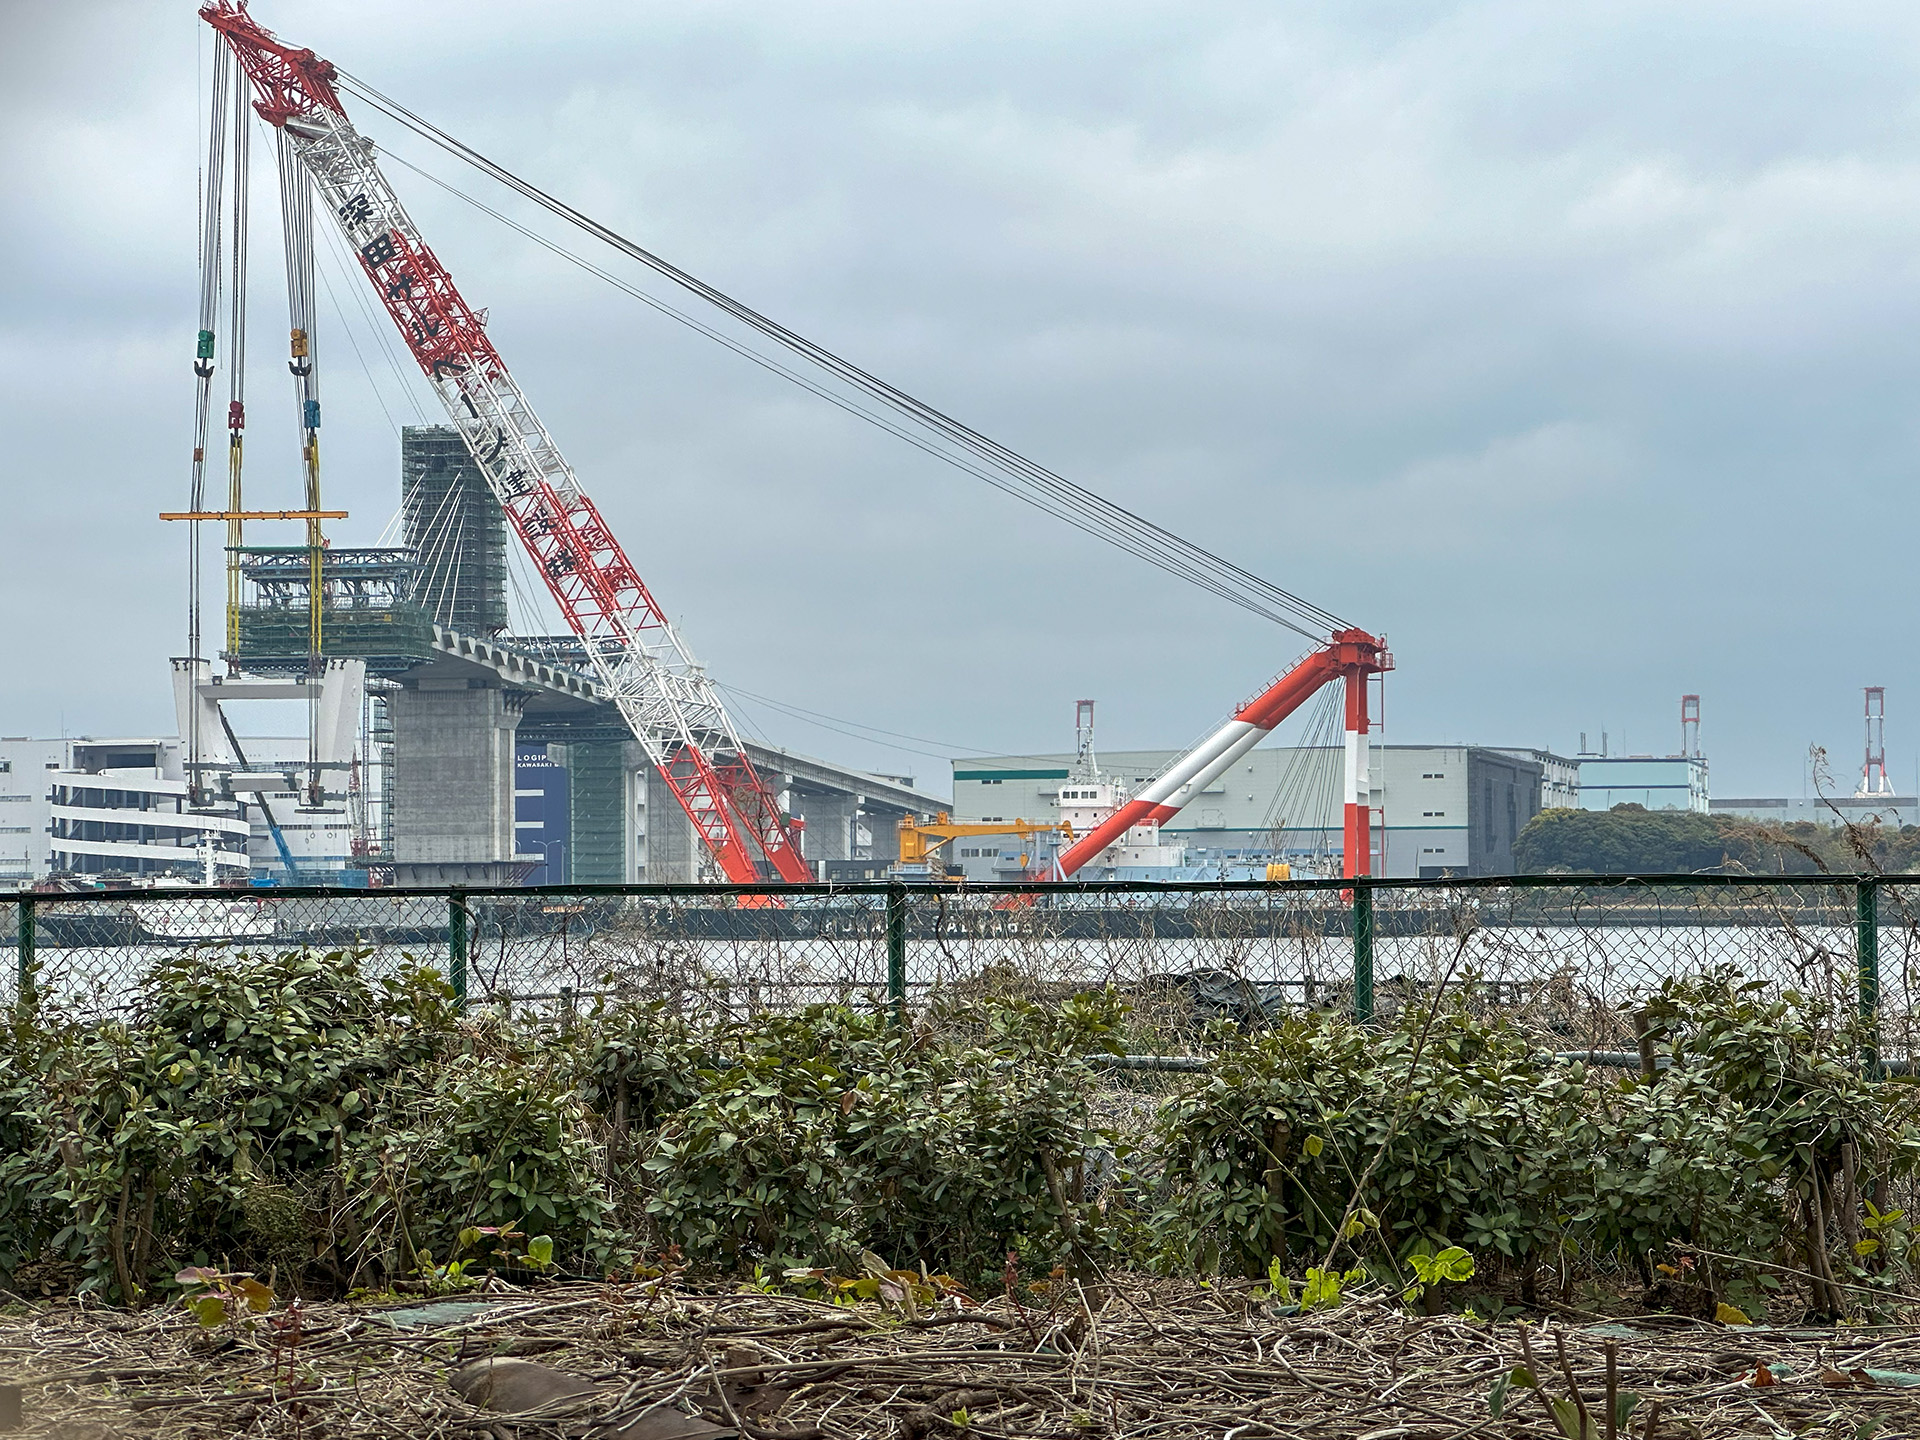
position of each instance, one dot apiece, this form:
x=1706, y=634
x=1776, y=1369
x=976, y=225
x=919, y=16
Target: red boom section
x=1352, y=654
x=289, y=82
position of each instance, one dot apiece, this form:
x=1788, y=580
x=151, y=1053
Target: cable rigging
x=203, y=367
x=1023, y=477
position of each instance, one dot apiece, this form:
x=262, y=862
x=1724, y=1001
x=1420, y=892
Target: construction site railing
x=1569, y=956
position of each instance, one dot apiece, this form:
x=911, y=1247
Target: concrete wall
x=453, y=752
x=668, y=854
x=1503, y=794
x=830, y=820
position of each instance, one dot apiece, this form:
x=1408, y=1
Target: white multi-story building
x=89, y=807
x=25, y=815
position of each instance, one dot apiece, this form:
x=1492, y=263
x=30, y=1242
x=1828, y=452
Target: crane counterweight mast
x=644, y=667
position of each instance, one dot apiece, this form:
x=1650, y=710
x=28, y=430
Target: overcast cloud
x=1575, y=347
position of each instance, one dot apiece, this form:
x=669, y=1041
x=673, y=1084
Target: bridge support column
x=453, y=783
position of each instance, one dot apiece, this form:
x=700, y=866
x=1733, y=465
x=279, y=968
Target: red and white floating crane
x=1350, y=656
x=643, y=665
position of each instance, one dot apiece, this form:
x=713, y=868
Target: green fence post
x=26, y=996
x=1867, y=908
x=457, y=945
x=897, y=951
x=1362, y=953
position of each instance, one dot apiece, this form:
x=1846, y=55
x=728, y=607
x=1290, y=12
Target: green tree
x=1632, y=840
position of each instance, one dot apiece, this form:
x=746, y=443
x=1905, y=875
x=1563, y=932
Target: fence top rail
x=961, y=888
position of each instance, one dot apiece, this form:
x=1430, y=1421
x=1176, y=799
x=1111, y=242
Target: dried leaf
x=1730, y=1315
x=1761, y=1376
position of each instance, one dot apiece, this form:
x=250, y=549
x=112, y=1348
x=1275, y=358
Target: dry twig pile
x=1131, y=1358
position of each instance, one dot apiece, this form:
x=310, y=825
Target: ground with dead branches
x=1127, y=1357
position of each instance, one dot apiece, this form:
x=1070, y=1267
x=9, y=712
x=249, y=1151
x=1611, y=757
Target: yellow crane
x=920, y=840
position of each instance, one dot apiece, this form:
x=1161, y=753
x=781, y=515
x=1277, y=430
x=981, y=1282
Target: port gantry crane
x=643, y=665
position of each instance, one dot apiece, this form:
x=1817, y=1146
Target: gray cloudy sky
x=1572, y=346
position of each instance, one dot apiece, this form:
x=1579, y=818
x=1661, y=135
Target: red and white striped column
x=1357, y=854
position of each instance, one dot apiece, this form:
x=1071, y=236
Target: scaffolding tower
x=456, y=530
x=367, y=613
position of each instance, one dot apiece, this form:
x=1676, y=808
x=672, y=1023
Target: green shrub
x=286, y=1114
x=1474, y=1137
x=1460, y=1139
x=833, y=1132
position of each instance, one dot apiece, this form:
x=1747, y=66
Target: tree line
x=1633, y=840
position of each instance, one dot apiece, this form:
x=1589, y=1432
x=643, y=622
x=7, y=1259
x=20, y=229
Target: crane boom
x=1350, y=656
x=643, y=665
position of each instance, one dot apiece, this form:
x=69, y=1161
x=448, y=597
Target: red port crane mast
x=643, y=665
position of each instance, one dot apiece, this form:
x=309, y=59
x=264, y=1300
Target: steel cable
x=1030, y=480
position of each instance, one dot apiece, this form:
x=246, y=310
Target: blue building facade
x=543, y=811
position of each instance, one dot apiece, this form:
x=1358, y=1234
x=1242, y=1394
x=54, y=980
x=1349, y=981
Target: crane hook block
x=300, y=368
x=310, y=416
x=203, y=368
x=236, y=415
x=204, y=349
x=299, y=344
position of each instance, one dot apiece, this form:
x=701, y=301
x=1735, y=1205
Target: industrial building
x=1653, y=782
x=1656, y=782
x=1439, y=809
x=1891, y=810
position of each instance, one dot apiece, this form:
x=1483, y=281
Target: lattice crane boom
x=643, y=665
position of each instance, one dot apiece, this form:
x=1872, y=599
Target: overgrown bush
x=1461, y=1135
x=829, y=1133
x=287, y=1115
x=1756, y=1131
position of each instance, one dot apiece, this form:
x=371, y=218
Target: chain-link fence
x=1566, y=956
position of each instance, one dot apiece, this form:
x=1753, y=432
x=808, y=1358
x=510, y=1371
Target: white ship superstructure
x=1087, y=804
